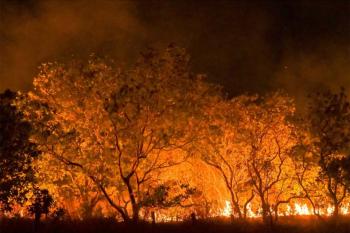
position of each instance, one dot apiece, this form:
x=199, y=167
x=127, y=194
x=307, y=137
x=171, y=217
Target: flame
x=227, y=211
x=288, y=211
x=297, y=208
x=330, y=210
x=344, y=209
x=301, y=209
x=250, y=212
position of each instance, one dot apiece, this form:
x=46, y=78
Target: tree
x=328, y=118
x=266, y=142
x=248, y=140
x=70, y=187
x=169, y=195
x=42, y=202
x=306, y=169
x=16, y=153
x=121, y=127
x=220, y=149
x=209, y=183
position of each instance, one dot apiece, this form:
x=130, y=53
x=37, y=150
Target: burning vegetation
x=157, y=143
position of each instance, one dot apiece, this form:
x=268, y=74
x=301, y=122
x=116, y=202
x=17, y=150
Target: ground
x=285, y=225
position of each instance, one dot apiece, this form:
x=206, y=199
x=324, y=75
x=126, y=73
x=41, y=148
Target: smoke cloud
x=246, y=47
x=57, y=30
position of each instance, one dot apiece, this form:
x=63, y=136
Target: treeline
x=155, y=141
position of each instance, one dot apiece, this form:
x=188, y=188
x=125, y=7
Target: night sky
x=246, y=47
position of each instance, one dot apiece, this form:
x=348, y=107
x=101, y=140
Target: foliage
x=249, y=141
x=220, y=149
x=120, y=127
x=168, y=195
x=126, y=142
x=16, y=153
x=268, y=140
x=41, y=203
x=70, y=187
x=329, y=127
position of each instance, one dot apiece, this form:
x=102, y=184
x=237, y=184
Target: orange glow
x=301, y=209
x=227, y=211
x=295, y=209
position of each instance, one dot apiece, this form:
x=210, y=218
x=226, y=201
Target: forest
x=102, y=146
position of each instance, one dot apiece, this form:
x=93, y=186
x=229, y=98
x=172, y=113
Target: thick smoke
x=246, y=47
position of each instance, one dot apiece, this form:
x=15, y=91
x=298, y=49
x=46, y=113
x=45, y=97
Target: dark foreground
x=286, y=225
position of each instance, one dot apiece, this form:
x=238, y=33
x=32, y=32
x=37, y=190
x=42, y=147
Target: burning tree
x=120, y=127
x=122, y=135
x=70, y=187
x=249, y=141
x=267, y=143
x=220, y=149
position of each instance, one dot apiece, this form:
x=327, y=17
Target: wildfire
x=296, y=209
x=344, y=209
x=301, y=209
x=227, y=211
x=250, y=212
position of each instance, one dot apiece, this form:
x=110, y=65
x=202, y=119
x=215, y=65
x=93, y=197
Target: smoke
x=316, y=50
x=246, y=47
x=305, y=73
x=54, y=30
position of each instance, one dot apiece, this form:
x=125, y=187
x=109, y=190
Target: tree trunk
x=135, y=214
x=333, y=195
x=335, y=215
x=153, y=215
x=235, y=204
x=134, y=204
x=276, y=213
x=266, y=214
x=336, y=210
x=1, y=220
x=246, y=205
x=236, y=208
x=37, y=217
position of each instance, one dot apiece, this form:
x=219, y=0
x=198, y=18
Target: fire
x=301, y=209
x=298, y=208
x=295, y=209
x=344, y=210
x=330, y=210
x=250, y=212
x=227, y=211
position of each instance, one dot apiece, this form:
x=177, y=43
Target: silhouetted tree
x=42, y=203
x=16, y=153
x=329, y=127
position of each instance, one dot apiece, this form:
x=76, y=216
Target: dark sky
x=246, y=46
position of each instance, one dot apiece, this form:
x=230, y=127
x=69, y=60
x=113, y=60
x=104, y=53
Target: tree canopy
x=120, y=127
x=16, y=153
x=131, y=141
